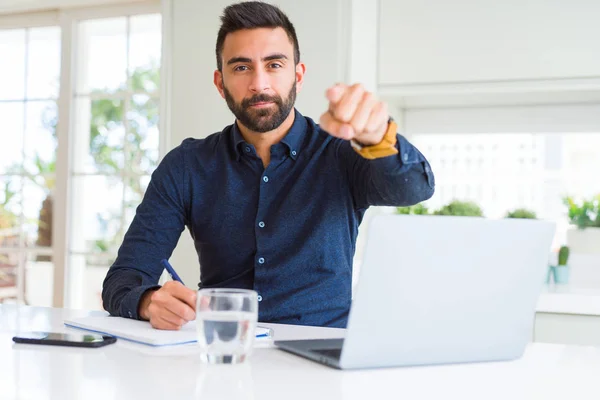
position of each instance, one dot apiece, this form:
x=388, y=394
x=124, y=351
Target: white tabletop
x=128, y=371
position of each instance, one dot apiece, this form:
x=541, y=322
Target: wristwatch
x=385, y=148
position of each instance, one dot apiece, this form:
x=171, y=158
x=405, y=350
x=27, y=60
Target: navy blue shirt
x=287, y=231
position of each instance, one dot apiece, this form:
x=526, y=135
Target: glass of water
x=226, y=321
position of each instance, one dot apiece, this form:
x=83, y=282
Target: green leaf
x=585, y=213
x=460, y=208
x=417, y=209
x=521, y=213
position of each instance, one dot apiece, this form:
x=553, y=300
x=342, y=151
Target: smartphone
x=65, y=339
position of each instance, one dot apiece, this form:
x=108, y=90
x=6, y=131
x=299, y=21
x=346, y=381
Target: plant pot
x=561, y=274
x=550, y=273
x=584, y=241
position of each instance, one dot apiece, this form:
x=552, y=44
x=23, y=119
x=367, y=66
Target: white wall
x=475, y=66
x=440, y=41
x=532, y=118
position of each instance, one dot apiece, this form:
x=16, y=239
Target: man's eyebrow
x=276, y=56
x=238, y=59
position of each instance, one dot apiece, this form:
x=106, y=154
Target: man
x=274, y=201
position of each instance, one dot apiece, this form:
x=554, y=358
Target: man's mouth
x=261, y=104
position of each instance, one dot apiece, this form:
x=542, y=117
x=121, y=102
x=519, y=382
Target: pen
x=268, y=333
x=171, y=271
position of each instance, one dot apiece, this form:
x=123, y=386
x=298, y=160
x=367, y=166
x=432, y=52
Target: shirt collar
x=238, y=141
x=293, y=139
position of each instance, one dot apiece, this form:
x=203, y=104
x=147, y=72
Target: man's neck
x=262, y=142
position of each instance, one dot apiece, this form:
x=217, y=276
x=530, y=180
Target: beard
x=261, y=120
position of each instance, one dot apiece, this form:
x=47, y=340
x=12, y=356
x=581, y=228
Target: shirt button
x=261, y=260
x=427, y=168
x=247, y=149
x=405, y=156
x=266, y=178
x=259, y=298
x=261, y=224
x=130, y=314
x=294, y=152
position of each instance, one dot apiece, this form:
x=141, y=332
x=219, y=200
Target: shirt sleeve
x=401, y=179
x=152, y=236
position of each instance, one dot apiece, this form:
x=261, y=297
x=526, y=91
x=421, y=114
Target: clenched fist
x=355, y=113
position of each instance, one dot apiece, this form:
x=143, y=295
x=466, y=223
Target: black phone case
x=107, y=340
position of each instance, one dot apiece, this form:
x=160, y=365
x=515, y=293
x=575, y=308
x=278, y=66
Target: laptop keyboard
x=333, y=353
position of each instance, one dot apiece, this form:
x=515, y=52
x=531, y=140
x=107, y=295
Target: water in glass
x=226, y=324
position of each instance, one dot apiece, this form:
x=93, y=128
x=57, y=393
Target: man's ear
x=300, y=71
x=218, y=81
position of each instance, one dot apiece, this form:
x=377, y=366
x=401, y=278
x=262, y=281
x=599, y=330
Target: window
x=115, y=141
x=29, y=86
x=80, y=178
x=503, y=172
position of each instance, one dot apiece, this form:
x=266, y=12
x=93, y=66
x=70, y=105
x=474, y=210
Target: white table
x=128, y=371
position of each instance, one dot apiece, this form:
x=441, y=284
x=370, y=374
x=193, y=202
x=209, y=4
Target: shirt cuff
x=407, y=154
x=131, y=301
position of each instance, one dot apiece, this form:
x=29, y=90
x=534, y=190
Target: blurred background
x=503, y=98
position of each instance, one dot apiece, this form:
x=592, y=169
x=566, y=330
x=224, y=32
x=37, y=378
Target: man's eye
x=241, y=68
x=276, y=65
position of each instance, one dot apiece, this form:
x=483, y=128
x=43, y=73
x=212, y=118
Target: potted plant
x=585, y=216
x=9, y=236
x=561, y=271
x=521, y=213
x=460, y=208
x=8, y=219
x=417, y=209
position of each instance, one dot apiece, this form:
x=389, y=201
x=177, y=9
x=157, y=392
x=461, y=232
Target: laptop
x=440, y=290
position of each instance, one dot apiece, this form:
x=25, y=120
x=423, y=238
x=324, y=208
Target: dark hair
x=251, y=15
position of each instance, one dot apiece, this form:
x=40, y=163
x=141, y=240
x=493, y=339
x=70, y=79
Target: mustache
x=261, y=98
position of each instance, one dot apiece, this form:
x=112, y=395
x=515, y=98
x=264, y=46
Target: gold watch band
x=385, y=148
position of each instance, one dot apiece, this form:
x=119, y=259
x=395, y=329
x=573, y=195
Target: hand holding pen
x=170, y=306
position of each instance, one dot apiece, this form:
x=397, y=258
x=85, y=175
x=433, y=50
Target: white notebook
x=142, y=332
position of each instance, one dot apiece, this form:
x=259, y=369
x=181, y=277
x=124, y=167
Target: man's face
x=259, y=80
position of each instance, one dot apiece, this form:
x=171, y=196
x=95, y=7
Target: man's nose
x=260, y=81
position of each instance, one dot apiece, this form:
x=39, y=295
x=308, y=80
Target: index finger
x=335, y=93
x=187, y=295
